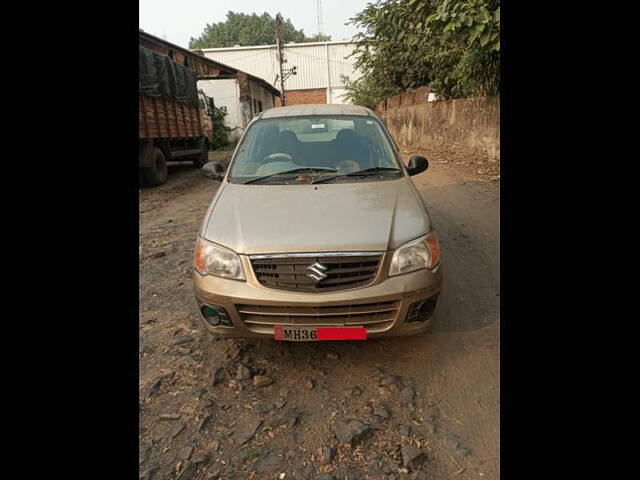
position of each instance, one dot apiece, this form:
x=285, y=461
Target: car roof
x=319, y=109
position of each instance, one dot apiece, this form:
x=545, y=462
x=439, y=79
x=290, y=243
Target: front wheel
x=156, y=174
x=141, y=181
x=199, y=161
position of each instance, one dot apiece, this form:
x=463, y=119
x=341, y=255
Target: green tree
x=249, y=29
x=451, y=45
x=318, y=37
x=366, y=91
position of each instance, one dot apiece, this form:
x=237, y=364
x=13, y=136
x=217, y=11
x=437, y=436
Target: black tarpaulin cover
x=177, y=82
x=148, y=77
x=192, y=86
x=162, y=74
x=162, y=77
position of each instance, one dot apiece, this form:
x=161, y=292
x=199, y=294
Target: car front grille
x=262, y=318
x=337, y=272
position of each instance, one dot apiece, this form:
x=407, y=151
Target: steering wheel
x=347, y=166
x=277, y=157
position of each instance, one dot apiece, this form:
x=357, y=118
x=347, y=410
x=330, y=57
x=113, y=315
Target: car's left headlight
x=213, y=259
x=423, y=252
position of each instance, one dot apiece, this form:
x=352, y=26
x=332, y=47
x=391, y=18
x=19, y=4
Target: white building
x=320, y=68
x=243, y=96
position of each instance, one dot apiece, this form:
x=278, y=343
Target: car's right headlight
x=213, y=259
x=423, y=252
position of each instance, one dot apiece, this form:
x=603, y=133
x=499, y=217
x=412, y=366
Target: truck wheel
x=142, y=182
x=156, y=174
x=199, y=161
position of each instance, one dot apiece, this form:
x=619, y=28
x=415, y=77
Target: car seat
x=269, y=140
x=288, y=143
x=347, y=146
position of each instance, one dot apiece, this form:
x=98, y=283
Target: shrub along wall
x=473, y=123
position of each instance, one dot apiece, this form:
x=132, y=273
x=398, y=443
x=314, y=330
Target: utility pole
x=320, y=27
x=280, y=44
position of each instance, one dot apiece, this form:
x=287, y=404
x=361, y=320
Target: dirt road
x=421, y=407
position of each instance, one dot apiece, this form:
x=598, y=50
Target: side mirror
x=214, y=170
x=417, y=164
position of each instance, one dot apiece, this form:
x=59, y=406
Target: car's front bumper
x=395, y=294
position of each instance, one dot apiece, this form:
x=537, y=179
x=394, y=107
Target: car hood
x=338, y=217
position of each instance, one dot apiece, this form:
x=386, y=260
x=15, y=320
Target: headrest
x=346, y=135
x=288, y=135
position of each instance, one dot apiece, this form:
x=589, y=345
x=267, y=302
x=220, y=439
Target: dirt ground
x=401, y=408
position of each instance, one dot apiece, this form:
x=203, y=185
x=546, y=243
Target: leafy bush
x=453, y=46
x=220, y=130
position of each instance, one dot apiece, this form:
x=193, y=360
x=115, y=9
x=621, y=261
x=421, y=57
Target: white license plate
x=295, y=334
x=312, y=334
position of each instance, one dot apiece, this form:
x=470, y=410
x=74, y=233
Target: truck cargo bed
x=163, y=118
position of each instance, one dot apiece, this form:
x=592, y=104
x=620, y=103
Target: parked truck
x=175, y=122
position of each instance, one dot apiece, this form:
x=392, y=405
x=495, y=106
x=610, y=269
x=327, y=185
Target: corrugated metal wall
x=260, y=62
x=310, y=59
x=341, y=65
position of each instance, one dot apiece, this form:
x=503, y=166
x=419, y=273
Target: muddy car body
x=317, y=226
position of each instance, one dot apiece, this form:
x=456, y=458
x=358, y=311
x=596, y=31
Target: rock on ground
x=262, y=381
x=267, y=463
x=352, y=431
x=381, y=411
x=328, y=453
x=390, y=380
x=243, y=372
x=247, y=430
x=219, y=376
x=412, y=456
x=407, y=394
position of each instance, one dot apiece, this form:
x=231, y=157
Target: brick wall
x=300, y=97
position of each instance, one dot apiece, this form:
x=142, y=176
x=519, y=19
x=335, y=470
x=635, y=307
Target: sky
x=179, y=20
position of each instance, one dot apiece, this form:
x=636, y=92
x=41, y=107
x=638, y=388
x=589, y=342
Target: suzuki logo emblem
x=316, y=271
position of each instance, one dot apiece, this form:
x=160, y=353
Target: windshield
x=294, y=149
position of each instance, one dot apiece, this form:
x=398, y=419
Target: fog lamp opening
x=422, y=310
x=215, y=316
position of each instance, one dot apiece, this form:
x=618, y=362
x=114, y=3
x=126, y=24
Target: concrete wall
x=225, y=93
x=259, y=93
x=336, y=95
x=472, y=123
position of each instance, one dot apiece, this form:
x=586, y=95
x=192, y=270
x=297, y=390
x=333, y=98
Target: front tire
x=156, y=174
x=199, y=162
x=141, y=180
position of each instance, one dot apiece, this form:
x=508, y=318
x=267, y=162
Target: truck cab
x=206, y=106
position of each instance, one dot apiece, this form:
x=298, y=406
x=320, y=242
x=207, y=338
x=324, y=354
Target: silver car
x=317, y=232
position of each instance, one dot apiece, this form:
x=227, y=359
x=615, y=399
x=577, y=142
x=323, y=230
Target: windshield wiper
x=295, y=170
x=373, y=170
x=359, y=173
